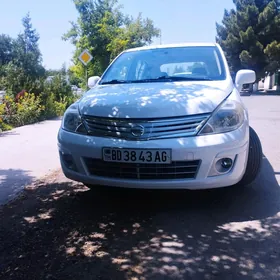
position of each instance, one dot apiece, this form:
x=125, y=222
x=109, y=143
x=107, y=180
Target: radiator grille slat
x=149, y=128
x=141, y=171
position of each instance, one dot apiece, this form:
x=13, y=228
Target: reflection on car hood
x=154, y=100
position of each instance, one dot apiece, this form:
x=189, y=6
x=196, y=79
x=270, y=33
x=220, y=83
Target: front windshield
x=174, y=64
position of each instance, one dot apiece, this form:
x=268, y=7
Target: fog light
x=68, y=161
x=226, y=163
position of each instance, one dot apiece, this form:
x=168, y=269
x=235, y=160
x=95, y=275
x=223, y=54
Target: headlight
x=229, y=116
x=72, y=120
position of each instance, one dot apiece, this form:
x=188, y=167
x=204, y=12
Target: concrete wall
x=268, y=83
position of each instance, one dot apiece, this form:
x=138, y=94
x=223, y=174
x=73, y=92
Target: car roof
x=172, y=46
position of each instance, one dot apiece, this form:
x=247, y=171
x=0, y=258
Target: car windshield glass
x=166, y=64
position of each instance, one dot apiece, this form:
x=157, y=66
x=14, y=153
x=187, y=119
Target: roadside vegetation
x=32, y=93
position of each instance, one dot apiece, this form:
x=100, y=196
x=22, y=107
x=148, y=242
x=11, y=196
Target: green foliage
x=21, y=66
x=49, y=104
x=29, y=110
x=21, y=70
x=250, y=35
x=195, y=65
x=60, y=107
x=27, y=53
x=57, y=95
x=3, y=125
x=54, y=108
x=105, y=31
x=13, y=78
x=59, y=86
x=73, y=74
x=6, y=46
x=273, y=53
x=52, y=100
x=9, y=109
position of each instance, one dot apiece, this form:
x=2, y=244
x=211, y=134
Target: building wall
x=269, y=83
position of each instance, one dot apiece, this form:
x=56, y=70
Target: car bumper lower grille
x=175, y=170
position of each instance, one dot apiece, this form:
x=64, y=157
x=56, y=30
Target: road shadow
x=12, y=181
x=66, y=231
x=268, y=93
x=8, y=133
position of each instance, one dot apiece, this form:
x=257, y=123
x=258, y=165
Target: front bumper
x=208, y=149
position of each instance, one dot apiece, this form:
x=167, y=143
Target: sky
x=179, y=20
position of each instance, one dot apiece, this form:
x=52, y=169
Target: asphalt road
x=62, y=230
x=26, y=154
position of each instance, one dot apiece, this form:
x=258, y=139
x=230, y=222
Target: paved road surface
x=27, y=153
x=264, y=114
x=61, y=230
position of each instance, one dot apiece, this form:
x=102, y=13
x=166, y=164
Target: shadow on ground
x=8, y=133
x=12, y=181
x=65, y=231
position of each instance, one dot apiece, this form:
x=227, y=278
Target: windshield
x=172, y=64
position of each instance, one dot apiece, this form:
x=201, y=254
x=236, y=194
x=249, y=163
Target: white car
x=140, y=126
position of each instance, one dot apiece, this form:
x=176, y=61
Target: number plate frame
x=107, y=158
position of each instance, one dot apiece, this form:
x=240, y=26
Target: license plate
x=161, y=156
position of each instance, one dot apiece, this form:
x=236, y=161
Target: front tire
x=255, y=158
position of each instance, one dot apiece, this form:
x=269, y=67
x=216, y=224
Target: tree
x=74, y=78
x=179, y=69
x=21, y=60
x=105, y=31
x=27, y=52
x=6, y=49
x=195, y=65
x=250, y=35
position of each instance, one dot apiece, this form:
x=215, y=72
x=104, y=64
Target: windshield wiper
x=158, y=79
x=112, y=82
x=171, y=79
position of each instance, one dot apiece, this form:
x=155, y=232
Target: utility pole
x=160, y=37
x=85, y=57
x=86, y=76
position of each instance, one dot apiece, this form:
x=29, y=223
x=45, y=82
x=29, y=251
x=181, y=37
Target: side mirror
x=244, y=77
x=92, y=81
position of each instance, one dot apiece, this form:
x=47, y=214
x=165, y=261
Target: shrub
x=29, y=109
x=2, y=109
x=3, y=126
x=9, y=109
x=48, y=100
x=60, y=108
x=53, y=107
x=26, y=110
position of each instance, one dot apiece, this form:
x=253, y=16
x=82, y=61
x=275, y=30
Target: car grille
x=144, y=129
x=175, y=170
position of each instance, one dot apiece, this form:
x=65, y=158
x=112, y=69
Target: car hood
x=154, y=100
